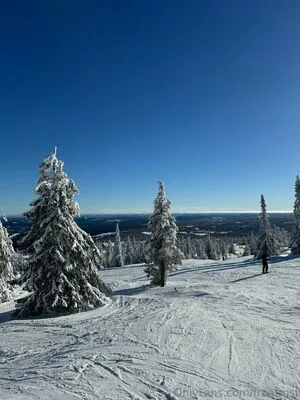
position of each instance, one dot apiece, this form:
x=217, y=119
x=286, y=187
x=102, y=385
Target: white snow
x=100, y=235
x=219, y=329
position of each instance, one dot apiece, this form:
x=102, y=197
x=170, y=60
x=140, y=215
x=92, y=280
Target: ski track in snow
x=216, y=326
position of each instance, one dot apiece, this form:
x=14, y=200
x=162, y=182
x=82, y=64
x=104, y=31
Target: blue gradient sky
x=204, y=95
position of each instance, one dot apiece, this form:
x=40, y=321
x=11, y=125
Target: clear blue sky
x=204, y=95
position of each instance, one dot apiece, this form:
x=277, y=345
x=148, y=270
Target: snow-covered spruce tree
x=38, y=206
x=109, y=253
x=163, y=252
x=142, y=251
x=135, y=250
x=295, y=244
x=200, y=249
x=217, y=245
x=223, y=250
x=6, y=270
x=36, y=214
x=210, y=249
x=266, y=243
x=190, y=248
x=181, y=246
x=282, y=237
x=231, y=248
x=63, y=263
x=117, y=259
x=252, y=244
x=129, y=252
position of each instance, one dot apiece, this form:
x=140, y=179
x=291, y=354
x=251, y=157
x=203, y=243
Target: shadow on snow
x=217, y=267
x=247, y=277
x=131, y=291
x=6, y=316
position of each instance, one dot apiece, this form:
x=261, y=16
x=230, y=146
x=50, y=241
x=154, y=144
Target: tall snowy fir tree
x=266, y=244
x=163, y=251
x=295, y=244
x=38, y=206
x=63, y=264
x=6, y=270
x=117, y=260
x=37, y=213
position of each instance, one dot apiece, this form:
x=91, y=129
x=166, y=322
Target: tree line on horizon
x=58, y=262
x=117, y=252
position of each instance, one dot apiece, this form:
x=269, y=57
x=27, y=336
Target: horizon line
x=173, y=212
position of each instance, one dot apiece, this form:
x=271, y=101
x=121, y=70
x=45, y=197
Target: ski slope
x=219, y=329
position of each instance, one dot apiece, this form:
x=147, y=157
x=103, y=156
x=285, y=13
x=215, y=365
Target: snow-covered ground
x=217, y=330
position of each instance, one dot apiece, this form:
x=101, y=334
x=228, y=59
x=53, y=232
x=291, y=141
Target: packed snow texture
x=219, y=329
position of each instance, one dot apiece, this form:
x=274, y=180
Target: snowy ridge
x=216, y=329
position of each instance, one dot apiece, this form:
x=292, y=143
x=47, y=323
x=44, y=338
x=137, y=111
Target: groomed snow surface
x=218, y=330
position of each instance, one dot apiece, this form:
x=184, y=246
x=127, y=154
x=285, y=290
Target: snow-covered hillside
x=217, y=330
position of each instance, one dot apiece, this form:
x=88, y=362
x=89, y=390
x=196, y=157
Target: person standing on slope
x=264, y=259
